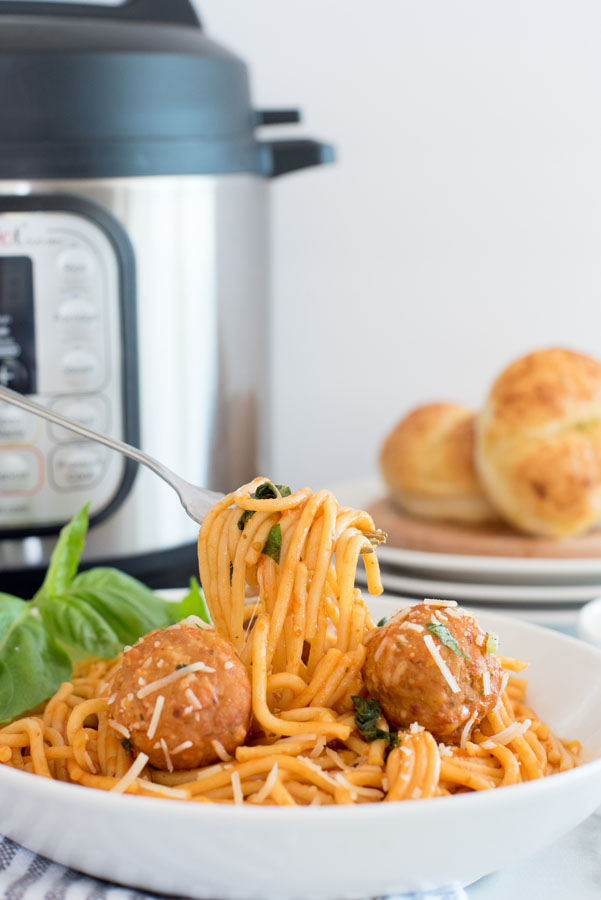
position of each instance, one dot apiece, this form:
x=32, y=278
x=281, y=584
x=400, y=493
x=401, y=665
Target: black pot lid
x=134, y=88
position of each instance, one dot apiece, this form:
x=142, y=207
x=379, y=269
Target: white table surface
x=570, y=869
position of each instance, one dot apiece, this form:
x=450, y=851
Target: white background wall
x=461, y=225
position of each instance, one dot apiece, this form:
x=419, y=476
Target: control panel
x=61, y=341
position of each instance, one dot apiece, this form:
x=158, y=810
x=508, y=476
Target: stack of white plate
x=549, y=591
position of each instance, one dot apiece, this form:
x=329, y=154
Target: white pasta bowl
x=331, y=853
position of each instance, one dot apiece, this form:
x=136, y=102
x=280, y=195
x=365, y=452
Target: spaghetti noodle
x=279, y=578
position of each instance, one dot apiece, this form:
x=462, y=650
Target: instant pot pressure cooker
x=133, y=274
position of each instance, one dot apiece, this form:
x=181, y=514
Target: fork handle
x=150, y=462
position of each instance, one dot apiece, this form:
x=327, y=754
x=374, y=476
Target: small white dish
x=331, y=853
x=589, y=622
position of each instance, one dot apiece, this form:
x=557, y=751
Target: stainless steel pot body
x=200, y=245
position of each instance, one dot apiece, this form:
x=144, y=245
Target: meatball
x=404, y=667
x=182, y=720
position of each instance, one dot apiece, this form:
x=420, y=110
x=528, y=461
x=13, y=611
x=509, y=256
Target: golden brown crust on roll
x=538, y=443
x=427, y=463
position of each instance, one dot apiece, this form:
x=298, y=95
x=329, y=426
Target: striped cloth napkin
x=27, y=876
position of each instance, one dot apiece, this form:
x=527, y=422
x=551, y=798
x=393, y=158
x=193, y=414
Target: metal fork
x=195, y=500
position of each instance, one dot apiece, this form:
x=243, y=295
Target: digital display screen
x=17, y=325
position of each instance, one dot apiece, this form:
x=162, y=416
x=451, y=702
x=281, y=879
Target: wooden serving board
x=411, y=533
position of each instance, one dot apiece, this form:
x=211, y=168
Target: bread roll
x=538, y=443
x=427, y=463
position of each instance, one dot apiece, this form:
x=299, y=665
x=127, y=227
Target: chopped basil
x=492, y=642
x=180, y=666
x=367, y=717
x=273, y=544
x=266, y=491
x=126, y=744
x=445, y=637
x=383, y=621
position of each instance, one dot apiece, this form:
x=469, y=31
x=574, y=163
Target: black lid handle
x=280, y=157
x=174, y=12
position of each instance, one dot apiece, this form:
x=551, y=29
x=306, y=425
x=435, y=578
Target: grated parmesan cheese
x=511, y=732
x=486, y=681
x=381, y=649
x=345, y=783
x=444, y=669
x=318, y=748
x=194, y=620
x=193, y=699
x=156, y=714
x=415, y=728
x=229, y=664
x=504, y=681
x=466, y=731
x=413, y=626
x=237, y=788
x=265, y=791
x=181, y=747
x=174, y=676
x=120, y=728
x=131, y=774
x=212, y=770
x=111, y=699
x=166, y=754
x=165, y=791
x=336, y=757
x=221, y=751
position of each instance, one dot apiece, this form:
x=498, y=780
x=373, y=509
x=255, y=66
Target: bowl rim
x=589, y=613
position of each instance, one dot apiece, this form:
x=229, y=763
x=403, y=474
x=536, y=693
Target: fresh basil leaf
x=383, y=621
x=193, y=604
x=273, y=544
x=492, y=642
x=266, y=491
x=77, y=626
x=66, y=555
x=445, y=637
x=367, y=717
x=101, y=611
x=126, y=744
x=32, y=665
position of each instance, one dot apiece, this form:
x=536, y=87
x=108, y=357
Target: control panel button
x=80, y=367
x=14, y=509
x=76, y=467
x=89, y=411
x=77, y=311
x=13, y=374
x=19, y=471
x=77, y=263
x=15, y=425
